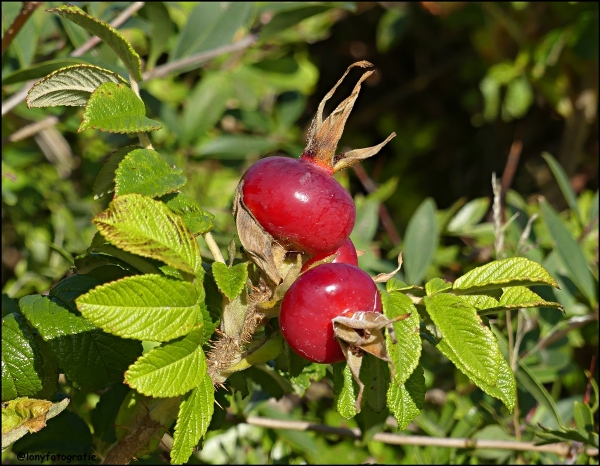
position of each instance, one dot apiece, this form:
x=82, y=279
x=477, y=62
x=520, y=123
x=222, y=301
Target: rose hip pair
x=332, y=311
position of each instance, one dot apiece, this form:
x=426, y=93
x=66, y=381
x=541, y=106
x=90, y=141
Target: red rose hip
x=318, y=296
x=299, y=203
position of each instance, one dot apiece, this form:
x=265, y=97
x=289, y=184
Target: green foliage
x=142, y=305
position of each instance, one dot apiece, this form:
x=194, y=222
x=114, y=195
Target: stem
x=26, y=11
x=561, y=449
x=164, y=70
x=213, y=247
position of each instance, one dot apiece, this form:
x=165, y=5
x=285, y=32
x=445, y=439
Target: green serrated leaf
x=394, y=284
x=105, y=181
x=116, y=109
x=570, y=254
x=437, y=285
x=70, y=86
x=90, y=358
x=406, y=352
x=145, y=172
x=345, y=390
x=146, y=227
x=230, y=280
x=481, y=301
x=143, y=307
x=195, y=414
x=420, y=242
x=406, y=399
x=521, y=297
x=21, y=359
x=514, y=271
x=466, y=341
x=171, y=369
x=109, y=35
x=198, y=220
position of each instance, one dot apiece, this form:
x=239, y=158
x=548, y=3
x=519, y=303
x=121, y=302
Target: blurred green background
x=469, y=88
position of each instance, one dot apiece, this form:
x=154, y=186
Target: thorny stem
x=213, y=247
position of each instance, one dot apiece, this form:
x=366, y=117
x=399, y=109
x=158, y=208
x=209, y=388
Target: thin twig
x=32, y=129
x=510, y=169
x=561, y=449
x=26, y=11
x=164, y=70
x=213, y=247
x=384, y=215
x=118, y=21
x=497, y=213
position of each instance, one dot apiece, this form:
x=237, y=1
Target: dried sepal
x=362, y=332
x=384, y=277
x=259, y=245
x=324, y=135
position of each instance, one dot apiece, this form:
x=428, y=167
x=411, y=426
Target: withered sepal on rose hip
x=284, y=204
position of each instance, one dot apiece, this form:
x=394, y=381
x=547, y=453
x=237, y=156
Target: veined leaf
x=148, y=228
x=469, y=344
x=437, y=285
x=514, y=271
x=481, y=301
x=70, y=86
x=345, y=390
x=105, y=181
x=90, y=358
x=195, y=414
x=21, y=359
x=570, y=254
x=406, y=399
x=116, y=109
x=420, y=242
x=521, y=297
x=145, y=172
x=143, y=307
x=198, y=220
x=231, y=281
x=109, y=35
x=170, y=370
x=375, y=374
x=406, y=352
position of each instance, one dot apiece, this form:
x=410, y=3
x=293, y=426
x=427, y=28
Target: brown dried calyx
x=363, y=332
x=323, y=136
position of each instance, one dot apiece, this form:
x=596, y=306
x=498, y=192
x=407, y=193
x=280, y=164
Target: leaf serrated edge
x=66, y=10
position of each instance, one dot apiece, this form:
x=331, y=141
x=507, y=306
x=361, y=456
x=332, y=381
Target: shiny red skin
x=315, y=298
x=346, y=254
x=299, y=203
